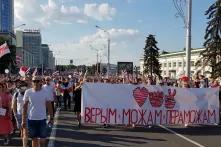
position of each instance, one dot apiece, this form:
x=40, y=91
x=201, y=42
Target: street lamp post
x=97, y=52
x=19, y=26
x=188, y=39
x=108, y=49
x=187, y=22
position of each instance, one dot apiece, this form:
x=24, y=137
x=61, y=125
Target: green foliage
x=151, y=57
x=212, y=54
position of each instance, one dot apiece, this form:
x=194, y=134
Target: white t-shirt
x=37, y=103
x=20, y=102
x=50, y=89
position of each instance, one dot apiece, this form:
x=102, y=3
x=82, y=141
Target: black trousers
x=67, y=101
x=53, y=109
x=58, y=101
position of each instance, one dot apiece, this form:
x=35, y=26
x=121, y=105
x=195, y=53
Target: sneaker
x=186, y=125
x=6, y=141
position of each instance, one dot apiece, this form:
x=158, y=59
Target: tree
x=212, y=54
x=151, y=57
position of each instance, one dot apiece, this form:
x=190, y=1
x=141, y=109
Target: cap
x=184, y=79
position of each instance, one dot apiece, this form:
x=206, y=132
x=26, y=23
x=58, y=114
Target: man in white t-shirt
x=50, y=88
x=38, y=100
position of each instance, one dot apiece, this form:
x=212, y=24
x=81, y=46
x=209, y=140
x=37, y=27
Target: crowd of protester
x=30, y=102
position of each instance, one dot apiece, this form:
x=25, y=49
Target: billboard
x=125, y=66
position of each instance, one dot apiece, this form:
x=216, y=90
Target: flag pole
x=42, y=68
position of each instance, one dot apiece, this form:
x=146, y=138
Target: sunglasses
x=23, y=88
x=36, y=81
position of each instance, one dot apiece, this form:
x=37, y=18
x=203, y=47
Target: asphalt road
x=67, y=134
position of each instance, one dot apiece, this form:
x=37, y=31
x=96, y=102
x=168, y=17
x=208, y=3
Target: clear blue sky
x=68, y=26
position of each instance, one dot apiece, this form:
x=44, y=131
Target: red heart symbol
x=140, y=95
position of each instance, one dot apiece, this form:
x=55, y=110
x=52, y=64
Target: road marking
x=53, y=132
x=181, y=136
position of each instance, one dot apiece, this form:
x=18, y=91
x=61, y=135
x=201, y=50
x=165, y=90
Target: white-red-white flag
x=23, y=70
x=4, y=50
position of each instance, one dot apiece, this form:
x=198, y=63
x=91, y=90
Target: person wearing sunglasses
x=38, y=100
x=50, y=88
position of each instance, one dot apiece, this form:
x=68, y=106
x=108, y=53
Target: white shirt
x=37, y=103
x=50, y=89
x=20, y=102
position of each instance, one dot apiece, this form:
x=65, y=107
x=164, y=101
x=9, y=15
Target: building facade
x=32, y=44
x=7, y=20
x=45, y=55
x=26, y=55
x=28, y=44
x=6, y=16
x=173, y=64
x=51, y=61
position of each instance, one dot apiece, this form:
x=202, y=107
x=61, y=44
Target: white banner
x=148, y=105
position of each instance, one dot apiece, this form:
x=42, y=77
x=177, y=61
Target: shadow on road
x=92, y=134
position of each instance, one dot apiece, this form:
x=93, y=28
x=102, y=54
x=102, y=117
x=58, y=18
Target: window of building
x=174, y=64
x=165, y=64
x=184, y=63
x=164, y=72
x=169, y=64
x=192, y=63
x=180, y=64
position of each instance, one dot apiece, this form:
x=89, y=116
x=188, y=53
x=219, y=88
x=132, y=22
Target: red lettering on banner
x=113, y=113
x=98, y=113
x=150, y=118
x=87, y=115
x=142, y=120
x=134, y=115
x=158, y=115
x=93, y=115
x=126, y=114
x=176, y=116
x=205, y=118
x=104, y=118
x=186, y=116
x=198, y=116
x=181, y=120
x=172, y=116
x=212, y=114
x=145, y=116
x=168, y=116
x=192, y=116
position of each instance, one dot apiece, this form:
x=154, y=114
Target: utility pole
x=187, y=22
x=108, y=49
x=97, y=52
x=188, y=39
